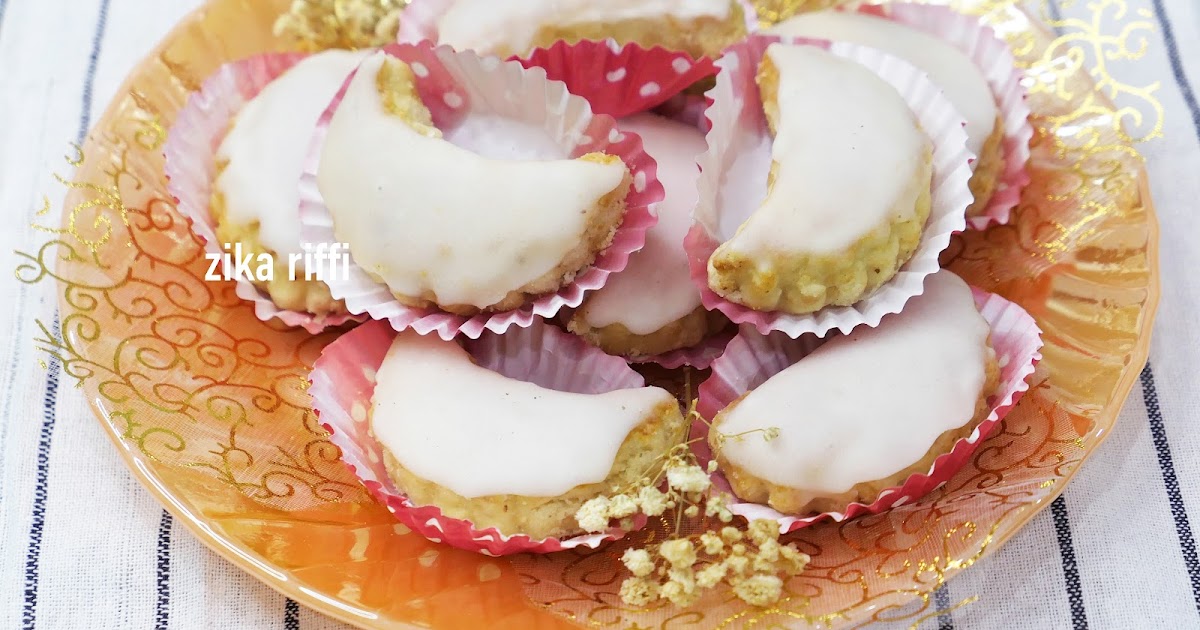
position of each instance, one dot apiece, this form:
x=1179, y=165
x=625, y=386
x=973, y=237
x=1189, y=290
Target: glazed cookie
x=443, y=225
x=948, y=67
x=255, y=201
x=848, y=188
x=511, y=455
x=652, y=307
x=698, y=27
x=864, y=411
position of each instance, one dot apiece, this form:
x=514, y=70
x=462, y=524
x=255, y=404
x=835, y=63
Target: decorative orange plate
x=208, y=405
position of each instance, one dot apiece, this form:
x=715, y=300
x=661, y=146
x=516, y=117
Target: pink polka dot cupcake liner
x=342, y=384
x=456, y=86
x=995, y=59
x=739, y=135
x=752, y=358
x=620, y=80
x=191, y=151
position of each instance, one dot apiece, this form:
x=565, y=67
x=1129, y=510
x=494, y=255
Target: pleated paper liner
x=739, y=129
x=343, y=382
x=752, y=358
x=455, y=86
x=699, y=356
x=995, y=60
x=191, y=151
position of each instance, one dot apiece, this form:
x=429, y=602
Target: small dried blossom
x=679, y=552
x=711, y=575
x=711, y=543
x=688, y=478
x=621, y=506
x=716, y=507
x=737, y=565
x=593, y=516
x=759, y=590
x=680, y=588
x=639, y=591
x=638, y=562
x=763, y=530
x=652, y=500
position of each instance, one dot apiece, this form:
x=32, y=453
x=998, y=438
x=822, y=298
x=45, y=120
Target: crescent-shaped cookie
x=445, y=226
x=505, y=453
x=863, y=411
x=848, y=188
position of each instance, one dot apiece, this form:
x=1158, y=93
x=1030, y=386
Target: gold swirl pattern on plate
x=207, y=404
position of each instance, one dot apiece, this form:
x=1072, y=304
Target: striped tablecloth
x=82, y=545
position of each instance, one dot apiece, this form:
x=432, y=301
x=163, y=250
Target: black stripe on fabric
x=941, y=599
x=1055, y=11
x=162, y=573
x=1185, y=86
x=291, y=615
x=1066, y=548
x=3, y=6
x=89, y=82
x=38, y=521
x=49, y=414
x=1183, y=526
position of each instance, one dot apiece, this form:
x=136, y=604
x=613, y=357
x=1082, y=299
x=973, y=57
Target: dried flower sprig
x=681, y=567
x=686, y=486
x=321, y=24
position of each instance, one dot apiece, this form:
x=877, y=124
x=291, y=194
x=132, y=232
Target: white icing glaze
x=266, y=145
x=954, y=71
x=656, y=288
x=426, y=215
x=848, y=149
x=504, y=436
x=867, y=405
x=487, y=25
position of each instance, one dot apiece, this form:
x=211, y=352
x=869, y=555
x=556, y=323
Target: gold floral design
x=321, y=24
x=208, y=404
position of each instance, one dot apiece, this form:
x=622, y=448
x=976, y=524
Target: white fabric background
x=109, y=557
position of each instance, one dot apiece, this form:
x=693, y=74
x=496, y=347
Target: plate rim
x=281, y=581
